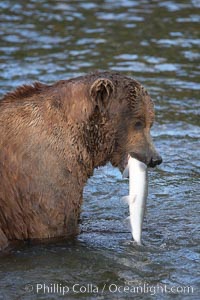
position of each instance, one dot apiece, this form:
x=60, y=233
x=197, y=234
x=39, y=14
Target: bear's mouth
x=138, y=157
x=124, y=162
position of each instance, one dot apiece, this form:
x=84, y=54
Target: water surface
x=156, y=42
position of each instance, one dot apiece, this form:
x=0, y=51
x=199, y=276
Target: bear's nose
x=155, y=161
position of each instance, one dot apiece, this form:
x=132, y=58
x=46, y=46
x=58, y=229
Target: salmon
x=138, y=191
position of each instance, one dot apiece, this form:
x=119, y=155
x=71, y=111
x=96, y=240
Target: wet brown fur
x=51, y=139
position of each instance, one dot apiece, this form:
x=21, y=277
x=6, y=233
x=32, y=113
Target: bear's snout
x=155, y=160
x=151, y=161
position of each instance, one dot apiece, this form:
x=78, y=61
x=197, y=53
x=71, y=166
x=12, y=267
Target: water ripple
x=157, y=43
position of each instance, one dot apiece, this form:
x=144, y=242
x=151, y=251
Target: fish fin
x=126, y=172
x=125, y=199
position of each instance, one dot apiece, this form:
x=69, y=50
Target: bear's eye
x=138, y=125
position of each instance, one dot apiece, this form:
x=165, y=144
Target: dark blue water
x=156, y=42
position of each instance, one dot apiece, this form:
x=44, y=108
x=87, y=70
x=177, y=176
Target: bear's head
x=123, y=114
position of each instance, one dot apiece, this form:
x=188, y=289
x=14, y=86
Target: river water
x=156, y=42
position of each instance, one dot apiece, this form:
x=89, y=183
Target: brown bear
x=51, y=139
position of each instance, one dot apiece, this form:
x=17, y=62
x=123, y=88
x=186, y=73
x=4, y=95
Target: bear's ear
x=101, y=93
